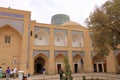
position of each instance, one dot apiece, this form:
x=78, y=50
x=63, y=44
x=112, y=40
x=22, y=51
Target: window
x=15, y=60
x=31, y=33
x=7, y=39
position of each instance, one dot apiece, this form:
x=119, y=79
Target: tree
x=67, y=72
x=104, y=23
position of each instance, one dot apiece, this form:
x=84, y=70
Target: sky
x=43, y=10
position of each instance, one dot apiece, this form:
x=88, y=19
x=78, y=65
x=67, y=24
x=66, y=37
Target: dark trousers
x=61, y=76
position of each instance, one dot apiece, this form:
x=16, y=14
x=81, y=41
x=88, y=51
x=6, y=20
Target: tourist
x=61, y=74
x=14, y=72
x=8, y=73
x=43, y=70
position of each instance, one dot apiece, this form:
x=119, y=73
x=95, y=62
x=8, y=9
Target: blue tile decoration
x=11, y=15
x=45, y=52
x=81, y=53
x=57, y=52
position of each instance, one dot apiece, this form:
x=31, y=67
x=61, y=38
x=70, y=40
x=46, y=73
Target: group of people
x=9, y=73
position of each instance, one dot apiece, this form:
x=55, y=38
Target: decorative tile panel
x=93, y=53
x=41, y=28
x=45, y=52
x=60, y=30
x=116, y=52
x=11, y=15
x=65, y=53
x=81, y=53
x=77, y=32
x=16, y=24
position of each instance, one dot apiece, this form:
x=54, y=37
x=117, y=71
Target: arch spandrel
x=60, y=37
x=98, y=58
x=80, y=53
x=56, y=53
x=37, y=29
x=38, y=52
x=11, y=27
x=41, y=37
x=116, y=52
x=16, y=24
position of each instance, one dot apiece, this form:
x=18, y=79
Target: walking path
x=78, y=76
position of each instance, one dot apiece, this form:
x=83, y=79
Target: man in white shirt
x=14, y=72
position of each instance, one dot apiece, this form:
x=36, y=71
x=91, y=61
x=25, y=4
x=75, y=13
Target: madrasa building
x=29, y=45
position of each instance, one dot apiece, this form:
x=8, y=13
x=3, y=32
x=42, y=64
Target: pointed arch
x=40, y=61
x=99, y=63
x=9, y=26
x=77, y=63
x=59, y=62
x=41, y=37
x=10, y=45
x=60, y=39
x=77, y=40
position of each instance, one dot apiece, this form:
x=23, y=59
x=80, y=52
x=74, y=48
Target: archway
x=59, y=63
x=10, y=45
x=41, y=38
x=77, y=63
x=99, y=63
x=40, y=61
x=77, y=40
x=60, y=39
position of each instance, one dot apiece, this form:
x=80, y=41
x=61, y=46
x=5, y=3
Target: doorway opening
x=76, y=68
x=100, y=67
x=38, y=65
x=58, y=68
x=95, y=68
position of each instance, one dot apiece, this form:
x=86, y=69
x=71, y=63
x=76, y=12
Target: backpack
x=8, y=71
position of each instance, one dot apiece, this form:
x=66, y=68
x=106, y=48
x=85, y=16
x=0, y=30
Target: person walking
x=8, y=73
x=43, y=70
x=14, y=72
x=61, y=74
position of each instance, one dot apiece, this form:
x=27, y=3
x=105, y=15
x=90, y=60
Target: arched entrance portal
x=59, y=63
x=77, y=63
x=99, y=63
x=38, y=64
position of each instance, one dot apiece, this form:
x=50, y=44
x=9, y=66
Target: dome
x=59, y=19
x=70, y=23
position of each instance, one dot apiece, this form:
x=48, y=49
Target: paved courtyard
x=101, y=76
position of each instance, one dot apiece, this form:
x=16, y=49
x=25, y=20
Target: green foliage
x=67, y=72
x=104, y=22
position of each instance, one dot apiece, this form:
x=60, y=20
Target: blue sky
x=43, y=10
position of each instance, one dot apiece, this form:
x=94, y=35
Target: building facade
x=29, y=45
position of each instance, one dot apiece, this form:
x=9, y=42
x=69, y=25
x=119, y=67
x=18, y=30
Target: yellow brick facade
x=34, y=45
